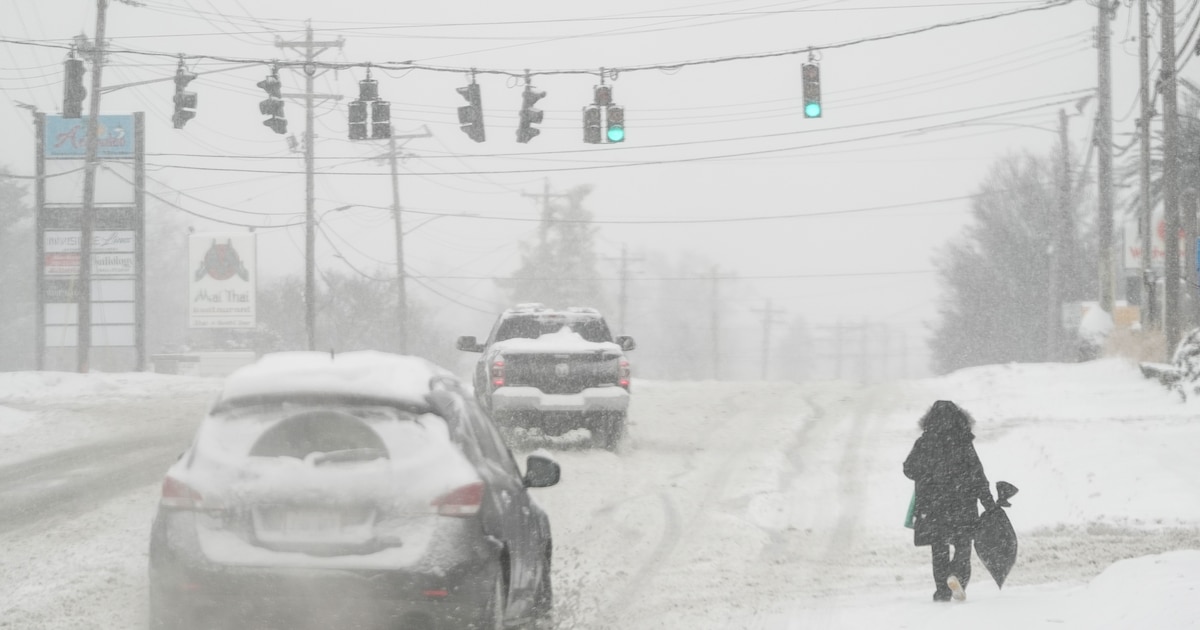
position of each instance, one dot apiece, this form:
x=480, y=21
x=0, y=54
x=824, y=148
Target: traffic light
x=358, y=120
x=185, y=102
x=73, y=91
x=811, y=74
x=591, y=124
x=616, y=124
x=470, y=116
x=381, y=112
x=602, y=95
x=273, y=105
x=381, y=120
x=529, y=115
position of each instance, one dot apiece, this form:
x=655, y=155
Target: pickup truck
x=554, y=370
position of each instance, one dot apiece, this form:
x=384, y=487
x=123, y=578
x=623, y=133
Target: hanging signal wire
x=520, y=74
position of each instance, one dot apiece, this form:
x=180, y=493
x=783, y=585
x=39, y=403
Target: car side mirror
x=541, y=471
x=626, y=342
x=468, y=344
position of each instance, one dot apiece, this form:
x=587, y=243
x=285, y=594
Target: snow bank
x=36, y=387
x=1158, y=591
x=13, y=420
x=1109, y=388
x=1161, y=591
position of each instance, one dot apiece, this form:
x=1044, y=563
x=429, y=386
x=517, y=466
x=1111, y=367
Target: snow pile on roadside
x=1160, y=591
x=34, y=387
x=1156, y=591
x=1109, y=388
x=13, y=420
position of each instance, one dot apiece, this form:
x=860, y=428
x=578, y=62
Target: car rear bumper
x=592, y=400
x=286, y=598
x=449, y=589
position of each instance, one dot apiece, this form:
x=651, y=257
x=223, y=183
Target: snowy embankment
x=44, y=412
x=1108, y=514
x=731, y=505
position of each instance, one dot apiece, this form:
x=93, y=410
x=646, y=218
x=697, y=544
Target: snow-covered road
x=731, y=505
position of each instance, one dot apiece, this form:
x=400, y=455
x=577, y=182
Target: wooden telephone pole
x=311, y=49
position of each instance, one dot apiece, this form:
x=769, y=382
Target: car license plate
x=311, y=522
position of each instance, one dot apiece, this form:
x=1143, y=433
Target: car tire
x=164, y=616
x=610, y=430
x=543, y=597
x=491, y=617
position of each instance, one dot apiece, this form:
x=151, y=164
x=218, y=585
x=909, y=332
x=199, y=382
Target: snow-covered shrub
x=1186, y=361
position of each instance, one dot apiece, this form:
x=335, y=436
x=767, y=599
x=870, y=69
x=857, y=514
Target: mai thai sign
x=223, y=281
x=67, y=137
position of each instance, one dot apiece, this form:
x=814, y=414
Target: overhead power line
x=611, y=71
x=793, y=276
x=625, y=164
x=753, y=219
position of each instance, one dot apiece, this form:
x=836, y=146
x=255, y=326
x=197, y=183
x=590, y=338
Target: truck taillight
x=498, y=373
x=623, y=374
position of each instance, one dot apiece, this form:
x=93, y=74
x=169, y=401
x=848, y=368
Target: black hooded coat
x=949, y=477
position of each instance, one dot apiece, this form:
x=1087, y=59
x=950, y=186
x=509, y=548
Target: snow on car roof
x=366, y=373
x=565, y=341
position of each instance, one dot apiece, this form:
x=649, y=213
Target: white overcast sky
x=711, y=141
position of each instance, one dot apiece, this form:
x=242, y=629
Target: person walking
x=949, y=480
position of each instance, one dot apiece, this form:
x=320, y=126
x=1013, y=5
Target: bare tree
x=995, y=276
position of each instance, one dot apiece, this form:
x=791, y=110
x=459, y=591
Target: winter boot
x=956, y=588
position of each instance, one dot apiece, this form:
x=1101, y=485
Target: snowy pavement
x=731, y=505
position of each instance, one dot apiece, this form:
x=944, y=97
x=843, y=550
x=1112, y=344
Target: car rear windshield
x=382, y=431
x=533, y=326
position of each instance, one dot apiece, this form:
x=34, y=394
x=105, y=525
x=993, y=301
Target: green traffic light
x=616, y=133
x=812, y=110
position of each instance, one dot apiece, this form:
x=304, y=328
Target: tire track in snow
x=68, y=484
x=727, y=436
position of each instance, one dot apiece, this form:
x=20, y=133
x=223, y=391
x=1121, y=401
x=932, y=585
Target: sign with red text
x=222, y=280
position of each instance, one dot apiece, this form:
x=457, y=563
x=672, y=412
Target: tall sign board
x=118, y=242
x=222, y=281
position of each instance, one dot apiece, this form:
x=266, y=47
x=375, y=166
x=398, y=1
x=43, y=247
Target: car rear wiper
x=348, y=455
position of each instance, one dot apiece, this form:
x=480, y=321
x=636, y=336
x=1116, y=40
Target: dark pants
x=944, y=566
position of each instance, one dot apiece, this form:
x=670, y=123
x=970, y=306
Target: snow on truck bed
x=564, y=341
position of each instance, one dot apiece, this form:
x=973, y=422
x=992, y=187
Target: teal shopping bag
x=912, y=505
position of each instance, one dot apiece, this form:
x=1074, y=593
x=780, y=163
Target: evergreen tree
x=996, y=303
x=559, y=269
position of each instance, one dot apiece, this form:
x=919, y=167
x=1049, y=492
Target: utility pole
x=1104, y=143
x=83, y=302
x=838, y=340
x=1150, y=315
x=1058, y=224
x=311, y=49
x=623, y=299
x=768, y=315
x=547, y=210
x=1170, y=175
x=862, y=351
x=716, y=330
x=401, y=274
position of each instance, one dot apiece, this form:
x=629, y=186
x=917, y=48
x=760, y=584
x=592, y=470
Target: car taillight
x=498, y=373
x=177, y=494
x=462, y=501
x=623, y=374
